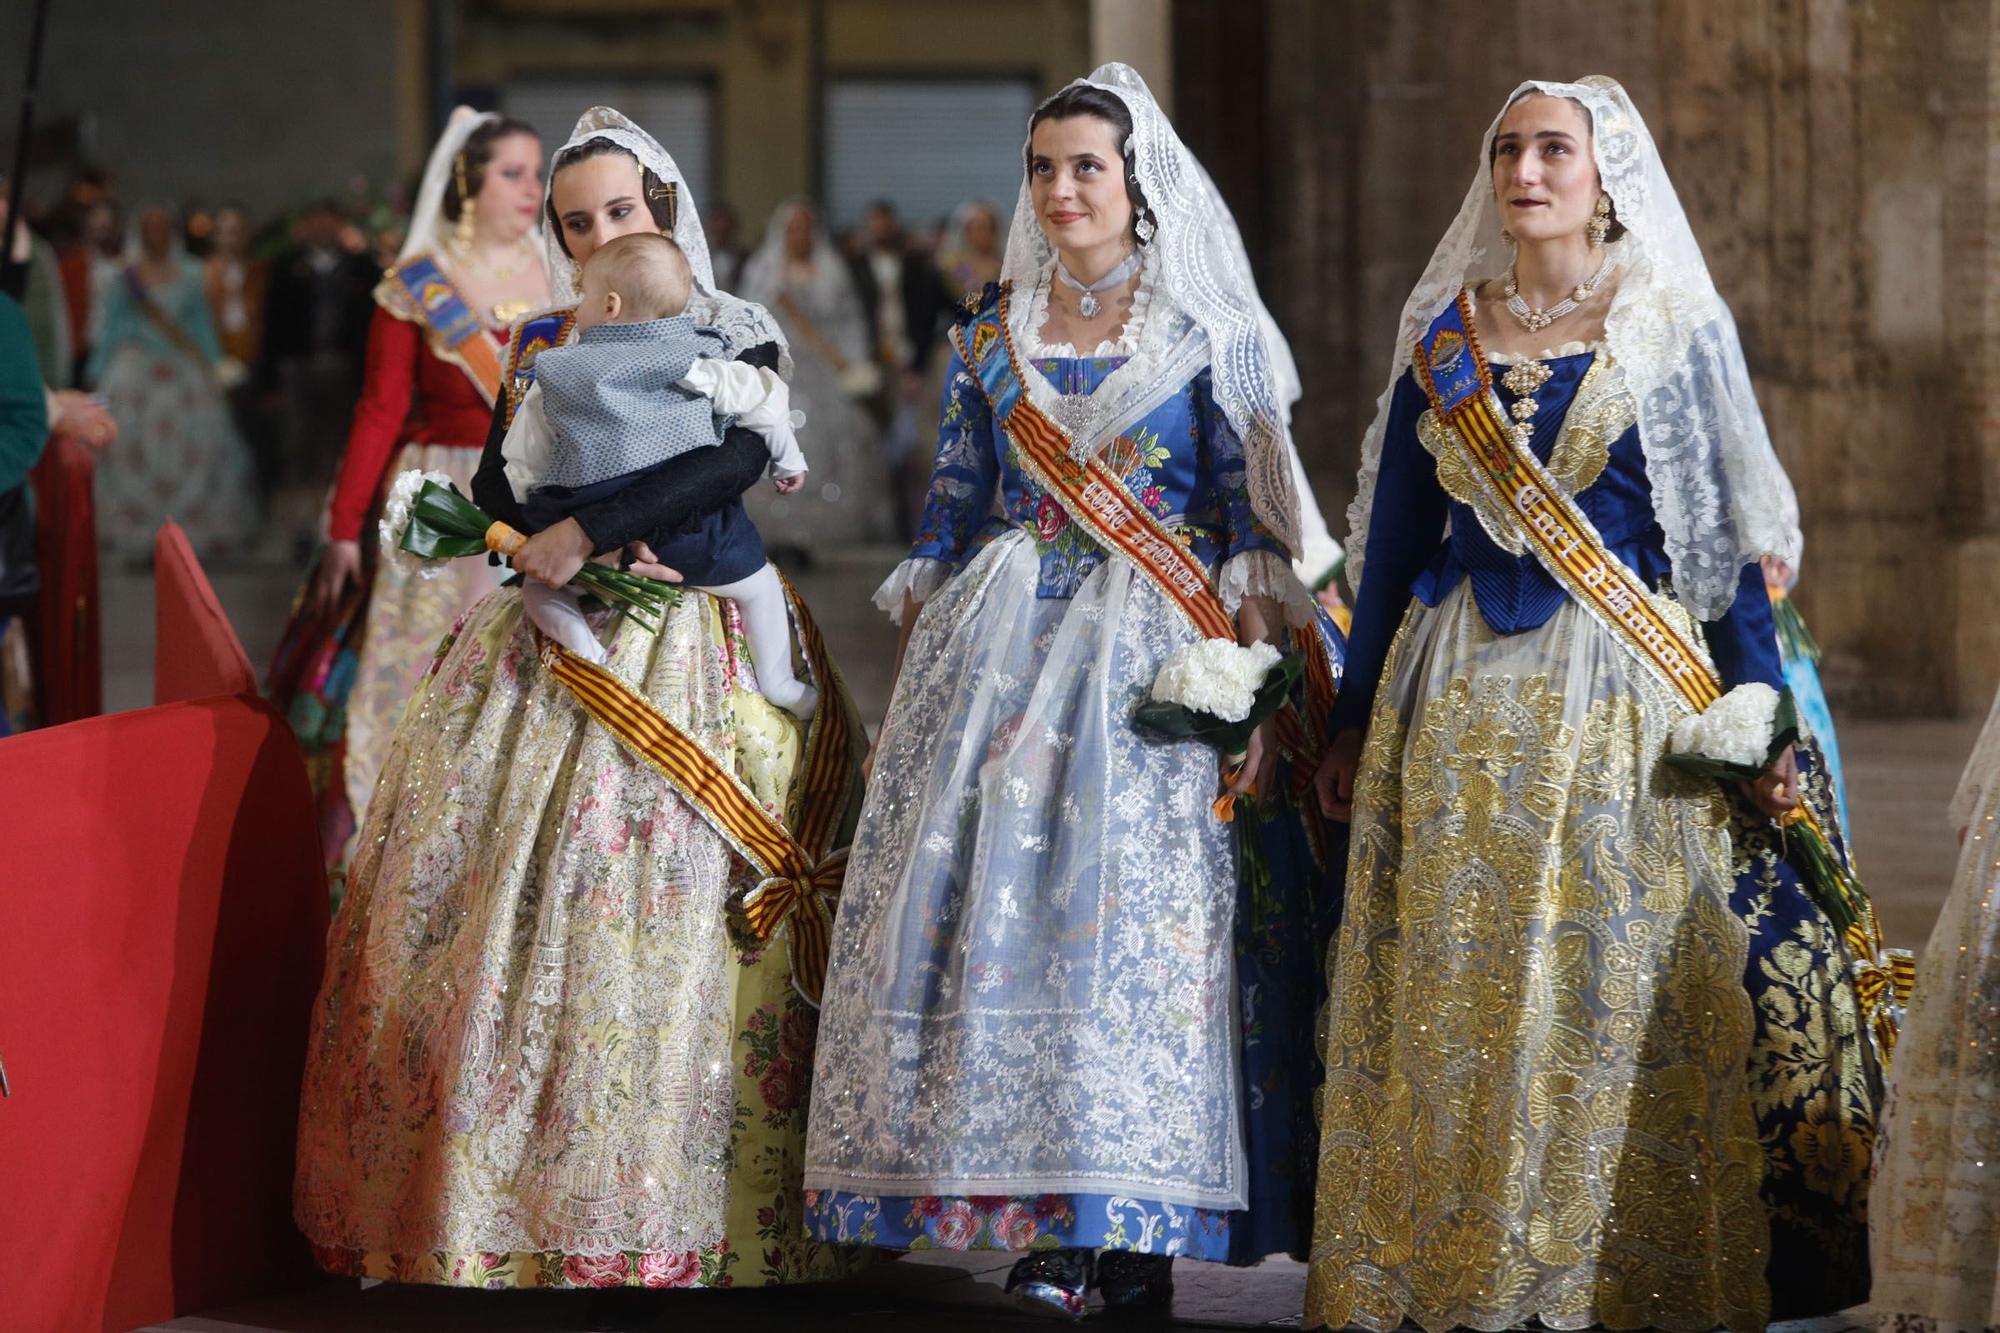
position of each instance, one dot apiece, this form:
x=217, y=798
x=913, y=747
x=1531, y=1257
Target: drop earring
x=1599, y=225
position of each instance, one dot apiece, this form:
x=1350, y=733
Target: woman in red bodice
x=366, y=627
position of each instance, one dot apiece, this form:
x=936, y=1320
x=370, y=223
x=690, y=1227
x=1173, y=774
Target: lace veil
x=1201, y=282
x=428, y=224
x=742, y=324
x=1719, y=492
x=764, y=270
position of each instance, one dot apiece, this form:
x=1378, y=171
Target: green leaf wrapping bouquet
x=1218, y=691
x=425, y=516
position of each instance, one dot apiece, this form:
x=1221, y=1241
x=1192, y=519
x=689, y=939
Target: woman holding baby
x=567, y=1019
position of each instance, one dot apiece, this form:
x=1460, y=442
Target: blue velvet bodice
x=1183, y=461
x=1411, y=553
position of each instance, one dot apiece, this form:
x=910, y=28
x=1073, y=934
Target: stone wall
x=1840, y=161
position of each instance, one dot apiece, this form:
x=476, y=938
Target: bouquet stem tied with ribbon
x=444, y=525
x=1219, y=691
x=1720, y=744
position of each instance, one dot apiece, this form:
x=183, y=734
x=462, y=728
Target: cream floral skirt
x=541, y=1056
x=407, y=615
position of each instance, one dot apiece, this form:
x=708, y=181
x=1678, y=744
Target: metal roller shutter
x=677, y=112
x=926, y=145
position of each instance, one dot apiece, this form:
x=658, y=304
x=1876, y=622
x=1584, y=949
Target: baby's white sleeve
x=525, y=447
x=733, y=385
x=759, y=400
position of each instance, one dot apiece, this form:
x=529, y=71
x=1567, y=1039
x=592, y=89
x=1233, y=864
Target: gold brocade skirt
x=540, y=1055
x=1535, y=1101
x=408, y=612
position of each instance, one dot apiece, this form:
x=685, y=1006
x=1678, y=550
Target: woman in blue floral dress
x=1069, y=1007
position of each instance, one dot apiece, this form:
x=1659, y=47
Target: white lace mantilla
x=1199, y=268
x=742, y=324
x=1719, y=493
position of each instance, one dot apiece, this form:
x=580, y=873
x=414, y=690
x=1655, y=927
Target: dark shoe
x=1135, y=1284
x=1053, y=1283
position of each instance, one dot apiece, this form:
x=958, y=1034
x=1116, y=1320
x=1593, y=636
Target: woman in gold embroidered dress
x=1592, y=1054
x=547, y=1051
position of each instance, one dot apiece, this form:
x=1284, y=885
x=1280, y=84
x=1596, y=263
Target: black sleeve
x=490, y=488
x=927, y=312
x=281, y=314
x=685, y=488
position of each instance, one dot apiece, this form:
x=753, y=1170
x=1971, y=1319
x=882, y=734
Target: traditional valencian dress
x=432, y=376
x=1594, y=1054
x=178, y=456
x=566, y=1030
x=1936, y=1202
x=1068, y=1005
x=844, y=501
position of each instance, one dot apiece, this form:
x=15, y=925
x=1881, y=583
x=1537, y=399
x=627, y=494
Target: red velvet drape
x=162, y=919
x=68, y=637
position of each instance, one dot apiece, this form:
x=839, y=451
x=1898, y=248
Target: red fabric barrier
x=195, y=651
x=165, y=915
x=69, y=667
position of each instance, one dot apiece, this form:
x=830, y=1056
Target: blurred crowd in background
x=139, y=300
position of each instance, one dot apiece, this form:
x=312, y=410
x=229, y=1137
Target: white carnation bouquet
x=1218, y=691
x=1742, y=732
x=1736, y=739
x=395, y=522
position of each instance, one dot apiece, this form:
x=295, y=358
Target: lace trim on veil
x=742, y=324
x=1721, y=497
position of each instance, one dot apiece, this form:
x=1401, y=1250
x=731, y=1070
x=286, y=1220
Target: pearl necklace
x=1536, y=320
x=1088, y=305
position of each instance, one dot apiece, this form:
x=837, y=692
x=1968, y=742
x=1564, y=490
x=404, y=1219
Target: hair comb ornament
x=671, y=192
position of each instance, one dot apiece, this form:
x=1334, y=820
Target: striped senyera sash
x=800, y=872
x=1100, y=502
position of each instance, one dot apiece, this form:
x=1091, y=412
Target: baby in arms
x=644, y=384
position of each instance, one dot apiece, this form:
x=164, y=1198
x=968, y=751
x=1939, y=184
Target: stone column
x=1967, y=83
x=1140, y=33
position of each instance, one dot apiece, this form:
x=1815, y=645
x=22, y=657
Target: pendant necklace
x=1088, y=305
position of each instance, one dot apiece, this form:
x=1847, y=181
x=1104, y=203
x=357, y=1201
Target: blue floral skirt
x=1815, y=1082
x=1054, y=970
x=1288, y=908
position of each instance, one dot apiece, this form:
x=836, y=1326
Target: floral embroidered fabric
x=1033, y=995
x=1183, y=461
x=1537, y=1029
x=541, y=1055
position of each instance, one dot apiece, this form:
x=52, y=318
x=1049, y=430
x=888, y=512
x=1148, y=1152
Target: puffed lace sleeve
x=964, y=479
